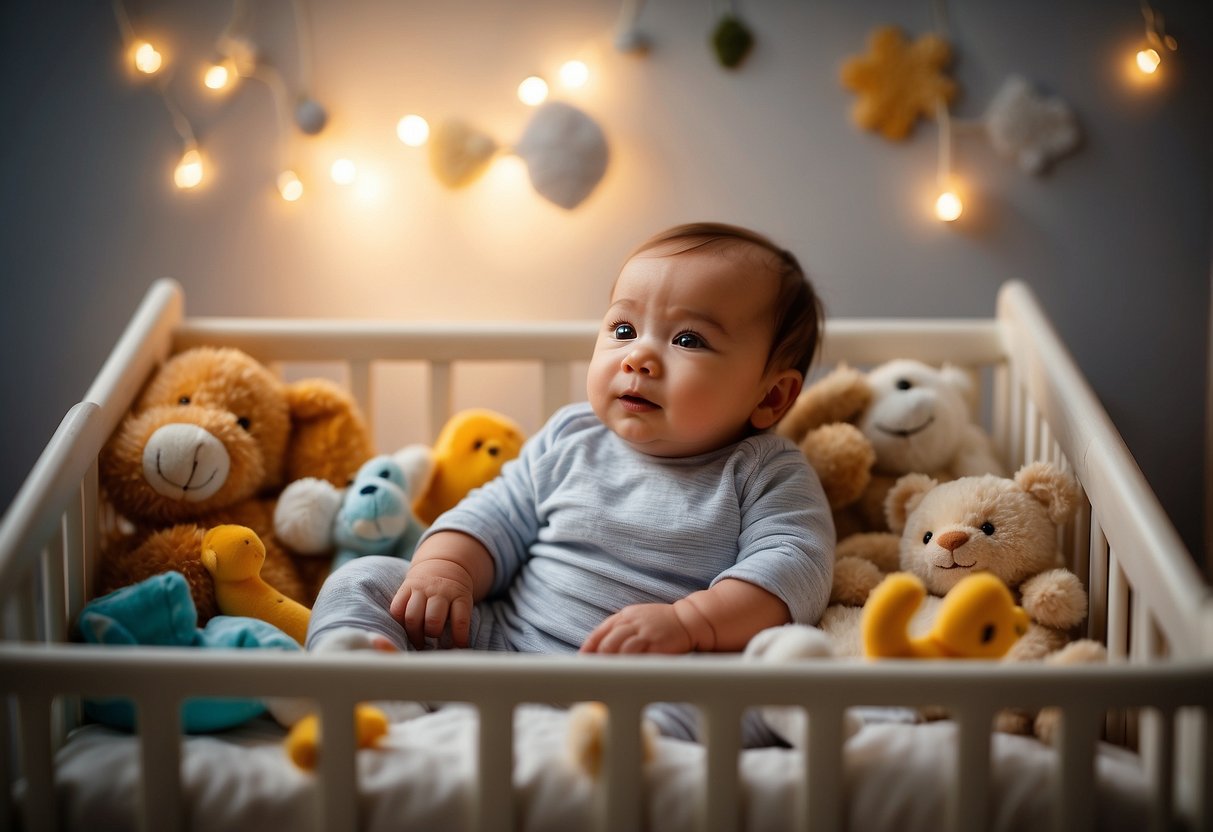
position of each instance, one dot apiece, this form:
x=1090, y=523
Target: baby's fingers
x=461, y=621
x=414, y=619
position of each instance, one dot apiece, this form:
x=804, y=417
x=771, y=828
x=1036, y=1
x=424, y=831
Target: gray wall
x=1115, y=241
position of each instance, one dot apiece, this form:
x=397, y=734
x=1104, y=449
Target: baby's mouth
x=638, y=403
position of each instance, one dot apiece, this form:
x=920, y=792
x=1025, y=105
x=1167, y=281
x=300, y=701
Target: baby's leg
x=355, y=599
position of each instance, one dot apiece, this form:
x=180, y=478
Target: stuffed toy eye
x=926, y=538
x=183, y=400
x=478, y=444
x=903, y=384
x=987, y=527
x=243, y=422
x=385, y=474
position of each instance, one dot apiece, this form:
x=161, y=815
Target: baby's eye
x=689, y=340
x=624, y=332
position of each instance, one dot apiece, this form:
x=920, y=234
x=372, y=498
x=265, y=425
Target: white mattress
x=897, y=777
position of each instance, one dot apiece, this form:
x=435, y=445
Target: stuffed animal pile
x=210, y=441
x=992, y=525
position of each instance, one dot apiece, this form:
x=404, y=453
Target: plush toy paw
x=788, y=643
x=303, y=741
x=854, y=580
x=1055, y=598
x=586, y=738
x=303, y=516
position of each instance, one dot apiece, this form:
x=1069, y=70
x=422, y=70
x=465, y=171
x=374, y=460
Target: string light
x=188, y=173
x=948, y=206
x=574, y=74
x=533, y=91
x=220, y=75
x=1149, y=56
x=413, y=130
x=147, y=59
x=343, y=171
x=290, y=186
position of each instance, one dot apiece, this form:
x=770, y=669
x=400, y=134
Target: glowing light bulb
x=289, y=186
x=147, y=59
x=219, y=75
x=948, y=206
x=413, y=130
x=343, y=171
x=189, y=170
x=533, y=91
x=574, y=74
x=1148, y=60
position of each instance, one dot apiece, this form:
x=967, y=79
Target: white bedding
x=897, y=776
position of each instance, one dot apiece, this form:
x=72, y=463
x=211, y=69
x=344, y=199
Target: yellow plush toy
x=234, y=556
x=469, y=452
x=978, y=619
x=303, y=742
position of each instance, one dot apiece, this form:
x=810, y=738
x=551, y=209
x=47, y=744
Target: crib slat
x=160, y=761
x=622, y=781
x=495, y=767
x=36, y=764
x=968, y=803
x=722, y=796
x=1158, y=749
x=556, y=387
x=440, y=395
x=1074, y=788
x=8, y=738
x=823, y=771
x=362, y=391
x=338, y=767
x=1097, y=586
x=54, y=613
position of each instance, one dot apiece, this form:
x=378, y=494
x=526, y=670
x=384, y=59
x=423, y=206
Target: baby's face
x=679, y=366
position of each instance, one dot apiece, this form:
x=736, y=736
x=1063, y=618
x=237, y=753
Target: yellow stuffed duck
x=470, y=451
x=234, y=556
x=977, y=619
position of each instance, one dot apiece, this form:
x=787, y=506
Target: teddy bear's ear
x=1048, y=485
x=839, y=396
x=957, y=378
x=905, y=496
x=329, y=437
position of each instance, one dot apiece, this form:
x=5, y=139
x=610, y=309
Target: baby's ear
x=782, y=393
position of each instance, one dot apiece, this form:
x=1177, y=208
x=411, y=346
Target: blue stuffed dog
x=376, y=517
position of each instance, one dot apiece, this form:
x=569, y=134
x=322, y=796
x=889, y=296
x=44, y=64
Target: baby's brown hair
x=799, y=316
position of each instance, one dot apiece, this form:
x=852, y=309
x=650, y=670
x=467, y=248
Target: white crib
x=1148, y=603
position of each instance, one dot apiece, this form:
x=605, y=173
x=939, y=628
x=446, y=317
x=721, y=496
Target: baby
x=659, y=517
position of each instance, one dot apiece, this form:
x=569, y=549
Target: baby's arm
x=450, y=572
x=722, y=619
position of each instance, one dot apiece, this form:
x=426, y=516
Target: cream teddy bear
x=1005, y=527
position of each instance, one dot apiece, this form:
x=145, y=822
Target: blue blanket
x=160, y=612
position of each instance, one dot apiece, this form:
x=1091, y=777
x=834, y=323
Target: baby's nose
x=640, y=361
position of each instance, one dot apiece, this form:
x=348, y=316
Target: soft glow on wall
x=147, y=59
x=533, y=91
x=413, y=130
x=188, y=173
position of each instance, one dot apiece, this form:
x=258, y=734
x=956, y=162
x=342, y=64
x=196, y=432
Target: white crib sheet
x=897, y=777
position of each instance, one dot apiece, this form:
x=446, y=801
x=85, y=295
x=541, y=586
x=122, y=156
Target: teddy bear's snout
x=185, y=462
x=952, y=540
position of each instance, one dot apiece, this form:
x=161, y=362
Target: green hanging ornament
x=732, y=41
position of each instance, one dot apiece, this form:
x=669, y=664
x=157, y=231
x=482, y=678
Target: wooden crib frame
x=1149, y=603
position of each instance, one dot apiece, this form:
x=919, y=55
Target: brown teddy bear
x=211, y=440
x=1006, y=527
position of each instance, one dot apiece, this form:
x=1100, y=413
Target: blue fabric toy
x=159, y=611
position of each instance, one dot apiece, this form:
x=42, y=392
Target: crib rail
x=1148, y=601
x=158, y=679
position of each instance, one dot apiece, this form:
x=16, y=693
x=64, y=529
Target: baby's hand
x=434, y=590
x=640, y=628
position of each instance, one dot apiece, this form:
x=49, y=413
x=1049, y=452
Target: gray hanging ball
x=310, y=116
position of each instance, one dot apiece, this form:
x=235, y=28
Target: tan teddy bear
x=210, y=441
x=1006, y=527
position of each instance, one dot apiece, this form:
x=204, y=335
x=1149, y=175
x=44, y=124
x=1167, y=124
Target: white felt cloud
x=565, y=153
x=1031, y=128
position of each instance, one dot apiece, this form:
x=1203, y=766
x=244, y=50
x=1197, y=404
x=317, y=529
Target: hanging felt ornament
x=897, y=81
x=459, y=153
x=1028, y=127
x=731, y=39
x=565, y=153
